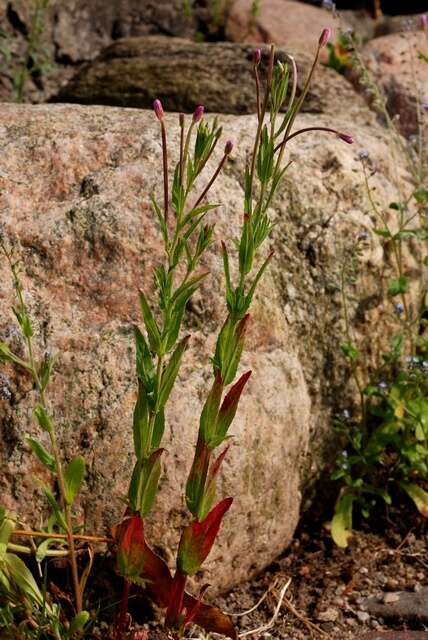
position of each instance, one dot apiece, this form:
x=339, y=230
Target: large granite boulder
x=75, y=31
x=292, y=24
x=134, y=71
x=402, y=75
x=75, y=184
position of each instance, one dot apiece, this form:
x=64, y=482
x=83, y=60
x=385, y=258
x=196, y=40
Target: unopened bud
x=228, y=147
x=324, y=37
x=424, y=21
x=198, y=113
x=257, y=56
x=158, y=109
x=346, y=138
x=181, y=120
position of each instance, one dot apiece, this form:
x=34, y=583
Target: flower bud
x=346, y=138
x=324, y=37
x=228, y=147
x=181, y=119
x=257, y=56
x=158, y=109
x=424, y=21
x=198, y=113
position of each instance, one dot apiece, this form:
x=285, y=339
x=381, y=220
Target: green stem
x=60, y=475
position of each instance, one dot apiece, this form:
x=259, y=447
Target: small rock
x=389, y=598
x=351, y=622
x=391, y=584
x=329, y=615
x=363, y=616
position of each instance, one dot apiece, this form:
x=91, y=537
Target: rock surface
x=75, y=184
x=292, y=24
x=76, y=31
x=394, y=635
x=393, y=61
x=134, y=71
x=405, y=607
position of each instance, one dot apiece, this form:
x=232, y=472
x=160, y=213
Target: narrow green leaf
x=246, y=247
x=23, y=578
x=187, y=289
x=43, y=548
x=43, y=418
x=141, y=423
x=251, y=292
x=46, y=368
x=418, y=495
x=59, y=516
x=158, y=429
x=382, y=232
x=78, y=623
x=73, y=478
x=341, y=525
x=349, y=351
x=198, y=211
x=170, y=373
x=150, y=323
x=7, y=526
x=144, y=362
x=161, y=220
x=399, y=286
x=42, y=453
x=148, y=483
x=209, y=415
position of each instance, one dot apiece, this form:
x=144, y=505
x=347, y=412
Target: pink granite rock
x=75, y=186
x=402, y=76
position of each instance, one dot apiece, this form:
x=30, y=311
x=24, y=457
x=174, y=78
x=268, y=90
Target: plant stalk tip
x=158, y=109
x=324, y=37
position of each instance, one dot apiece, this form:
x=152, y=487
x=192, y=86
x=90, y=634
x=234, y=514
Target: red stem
x=175, y=607
x=165, y=170
x=305, y=130
x=123, y=613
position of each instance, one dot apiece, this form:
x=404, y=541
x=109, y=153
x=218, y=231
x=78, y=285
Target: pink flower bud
x=198, y=113
x=346, y=138
x=157, y=106
x=324, y=37
x=424, y=21
x=228, y=147
x=257, y=56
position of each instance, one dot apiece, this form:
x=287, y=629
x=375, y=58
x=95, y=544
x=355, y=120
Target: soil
x=318, y=591
x=328, y=586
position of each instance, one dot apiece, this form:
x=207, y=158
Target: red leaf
x=155, y=572
x=197, y=476
x=198, y=538
x=137, y=560
x=232, y=397
x=241, y=329
x=230, y=404
x=175, y=617
x=211, y=618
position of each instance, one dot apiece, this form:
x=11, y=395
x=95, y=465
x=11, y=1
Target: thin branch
x=59, y=536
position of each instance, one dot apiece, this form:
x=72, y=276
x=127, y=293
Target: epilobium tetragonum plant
x=386, y=443
x=160, y=350
x=14, y=576
x=181, y=213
